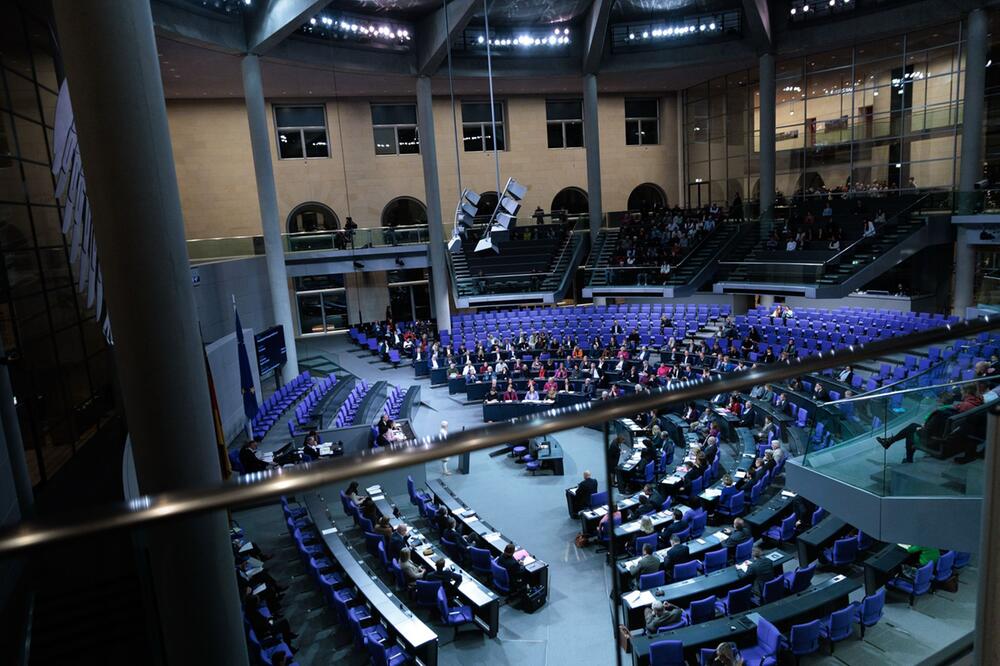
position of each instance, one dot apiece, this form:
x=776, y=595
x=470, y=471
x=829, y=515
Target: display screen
x=271, y=352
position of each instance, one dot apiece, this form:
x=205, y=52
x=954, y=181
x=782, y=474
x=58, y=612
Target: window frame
x=302, y=129
x=641, y=120
x=395, y=127
x=482, y=125
x=563, y=123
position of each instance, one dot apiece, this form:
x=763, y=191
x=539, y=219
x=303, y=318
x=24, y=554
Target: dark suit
x=675, y=527
x=678, y=554
x=452, y=535
x=449, y=579
x=250, y=461
x=739, y=536
x=396, y=544
x=514, y=570
x=586, y=488
x=761, y=570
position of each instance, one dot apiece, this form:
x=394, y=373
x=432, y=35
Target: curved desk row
x=415, y=637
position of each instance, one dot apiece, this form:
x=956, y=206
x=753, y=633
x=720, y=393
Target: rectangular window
x=477, y=127
x=301, y=132
x=564, y=119
x=394, y=127
x=642, y=121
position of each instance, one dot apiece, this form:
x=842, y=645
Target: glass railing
x=917, y=436
x=202, y=249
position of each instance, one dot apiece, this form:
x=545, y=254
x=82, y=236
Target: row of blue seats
x=272, y=409
x=348, y=606
x=346, y=413
x=304, y=410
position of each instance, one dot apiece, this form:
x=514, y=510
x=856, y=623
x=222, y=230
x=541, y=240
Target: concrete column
x=432, y=190
x=681, y=199
x=592, y=141
x=109, y=51
x=965, y=274
x=267, y=199
x=987, y=640
x=15, y=445
x=971, y=167
x=767, y=100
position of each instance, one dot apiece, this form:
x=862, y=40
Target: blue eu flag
x=246, y=374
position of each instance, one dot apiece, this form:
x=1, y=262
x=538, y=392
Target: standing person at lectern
x=584, y=490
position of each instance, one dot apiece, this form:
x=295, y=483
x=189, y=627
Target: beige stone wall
x=215, y=169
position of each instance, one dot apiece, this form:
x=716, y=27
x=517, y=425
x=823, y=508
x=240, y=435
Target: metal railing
x=234, y=247
x=260, y=486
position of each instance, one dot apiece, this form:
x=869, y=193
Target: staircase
x=600, y=257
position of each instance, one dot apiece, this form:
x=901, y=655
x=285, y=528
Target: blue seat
x=651, y=580
x=734, y=506
x=839, y=625
x=480, y=560
x=382, y=655
x=782, y=533
x=800, y=579
x=870, y=611
x=765, y=651
x=358, y=614
x=736, y=601
x=961, y=560
x=919, y=586
x=686, y=570
x=715, y=560
x=452, y=550
x=599, y=499
x=453, y=616
x=804, y=638
x=501, y=581
x=844, y=552
x=650, y=539
x=773, y=590
x=698, y=520
x=701, y=610
x=427, y=593
x=744, y=551
x=666, y=653
x=944, y=567
x=416, y=497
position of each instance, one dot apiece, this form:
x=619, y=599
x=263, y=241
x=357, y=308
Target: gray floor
x=575, y=627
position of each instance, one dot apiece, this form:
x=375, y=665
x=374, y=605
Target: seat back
x=744, y=551
x=686, y=570
x=773, y=590
x=649, y=539
x=599, y=499
x=768, y=638
x=845, y=550
x=480, y=558
x=427, y=591
x=842, y=622
x=788, y=528
x=802, y=578
x=740, y=599
x=698, y=521
x=945, y=563
x=871, y=608
x=804, y=638
x=651, y=580
x=715, y=560
x=501, y=580
x=666, y=653
x=922, y=579
x=702, y=610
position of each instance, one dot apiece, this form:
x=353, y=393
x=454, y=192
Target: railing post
x=987, y=641
x=616, y=599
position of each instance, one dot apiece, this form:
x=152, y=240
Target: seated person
x=661, y=615
x=584, y=490
x=678, y=553
x=249, y=459
x=532, y=394
x=451, y=534
x=492, y=395
x=726, y=654
x=647, y=564
x=383, y=528
x=740, y=532
x=411, y=570
x=398, y=541
x=679, y=524
x=515, y=570
x=449, y=579
x=510, y=395
x=934, y=424
x=651, y=498
x=760, y=570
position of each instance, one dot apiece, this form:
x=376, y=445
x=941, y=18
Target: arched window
x=404, y=211
x=573, y=200
x=312, y=216
x=646, y=197
x=487, y=204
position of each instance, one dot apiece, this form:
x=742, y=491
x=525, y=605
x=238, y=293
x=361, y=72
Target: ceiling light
x=793, y=11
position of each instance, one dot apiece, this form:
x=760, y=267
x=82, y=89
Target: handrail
x=873, y=396
x=260, y=486
x=834, y=258
x=691, y=251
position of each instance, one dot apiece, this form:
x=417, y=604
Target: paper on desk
x=373, y=490
x=712, y=492
x=601, y=511
x=787, y=493
x=672, y=479
x=330, y=530
x=721, y=536
x=247, y=546
x=471, y=519
x=740, y=474
x=376, y=498
x=630, y=527
x=260, y=588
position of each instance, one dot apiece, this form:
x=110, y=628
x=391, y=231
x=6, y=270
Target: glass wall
x=881, y=116
x=59, y=366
